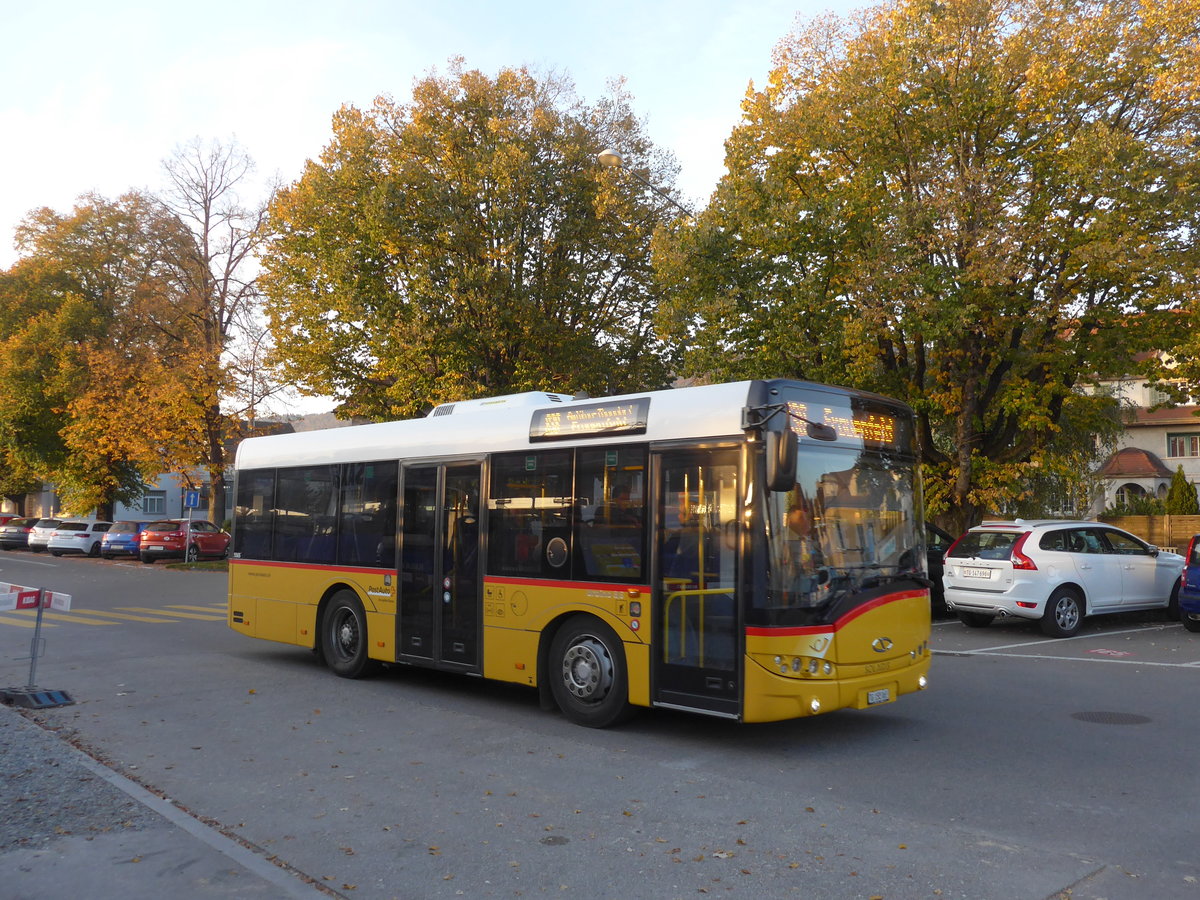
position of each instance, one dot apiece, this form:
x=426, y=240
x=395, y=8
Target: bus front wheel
x=587, y=673
x=344, y=635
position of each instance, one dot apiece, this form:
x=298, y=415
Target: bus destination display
x=874, y=427
x=579, y=420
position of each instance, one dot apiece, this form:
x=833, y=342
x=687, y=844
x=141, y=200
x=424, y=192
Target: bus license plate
x=883, y=695
x=977, y=573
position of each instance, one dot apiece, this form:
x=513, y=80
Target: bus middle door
x=439, y=618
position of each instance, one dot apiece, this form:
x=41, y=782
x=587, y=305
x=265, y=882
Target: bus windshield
x=848, y=525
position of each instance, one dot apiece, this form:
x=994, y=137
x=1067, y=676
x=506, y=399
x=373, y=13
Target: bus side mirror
x=781, y=448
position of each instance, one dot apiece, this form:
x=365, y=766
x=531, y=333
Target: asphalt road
x=1030, y=769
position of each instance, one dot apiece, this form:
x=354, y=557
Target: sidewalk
x=70, y=827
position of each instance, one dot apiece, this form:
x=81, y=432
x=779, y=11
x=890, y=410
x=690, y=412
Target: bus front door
x=439, y=565
x=697, y=643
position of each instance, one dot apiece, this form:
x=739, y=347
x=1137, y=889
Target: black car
x=14, y=534
x=937, y=542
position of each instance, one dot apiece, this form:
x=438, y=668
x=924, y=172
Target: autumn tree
x=69, y=308
x=124, y=314
x=467, y=243
x=978, y=206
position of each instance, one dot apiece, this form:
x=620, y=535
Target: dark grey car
x=14, y=534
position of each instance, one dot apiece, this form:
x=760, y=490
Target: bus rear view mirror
x=781, y=459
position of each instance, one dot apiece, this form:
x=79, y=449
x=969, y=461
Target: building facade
x=1156, y=442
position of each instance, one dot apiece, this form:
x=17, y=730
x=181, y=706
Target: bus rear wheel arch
x=588, y=675
x=343, y=635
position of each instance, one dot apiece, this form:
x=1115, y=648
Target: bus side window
x=367, y=515
x=610, y=487
x=255, y=501
x=530, y=509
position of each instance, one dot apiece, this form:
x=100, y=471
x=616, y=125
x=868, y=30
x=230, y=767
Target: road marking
x=23, y=623
x=221, y=608
x=31, y=614
x=124, y=616
x=1078, y=637
x=1091, y=659
x=177, y=615
x=72, y=617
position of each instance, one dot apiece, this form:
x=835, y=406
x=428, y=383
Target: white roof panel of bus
x=692, y=412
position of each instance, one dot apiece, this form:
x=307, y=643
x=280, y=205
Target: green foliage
x=466, y=244
x=1181, y=496
x=980, y=208
x=1145, y=505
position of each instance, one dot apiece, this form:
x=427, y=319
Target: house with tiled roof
x=1157, y=441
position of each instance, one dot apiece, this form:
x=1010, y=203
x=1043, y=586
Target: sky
x=94, y=96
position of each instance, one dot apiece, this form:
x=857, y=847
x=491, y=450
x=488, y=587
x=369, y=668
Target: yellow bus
x=750, y=550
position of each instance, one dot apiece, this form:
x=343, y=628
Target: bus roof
x=496, y=425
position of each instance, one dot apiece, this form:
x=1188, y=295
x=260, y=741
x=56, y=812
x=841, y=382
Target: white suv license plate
x=883, y=695
x=976, y=573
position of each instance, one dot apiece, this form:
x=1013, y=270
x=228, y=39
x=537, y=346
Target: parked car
x=1189, y=587
x=1056, y=572
x=5, y=518
x=39, y=534
x=937, y=542
x=180, y=538
x=77, y=536
x=123, y=539
x=15, y=533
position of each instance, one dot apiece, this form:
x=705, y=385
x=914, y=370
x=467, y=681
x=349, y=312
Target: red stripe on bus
x=766, y=631
x=366, y=570
x=573, y=585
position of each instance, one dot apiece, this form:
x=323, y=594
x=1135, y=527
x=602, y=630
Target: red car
x=182, y=539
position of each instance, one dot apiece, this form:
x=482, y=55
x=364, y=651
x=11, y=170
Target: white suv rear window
x=984, y=545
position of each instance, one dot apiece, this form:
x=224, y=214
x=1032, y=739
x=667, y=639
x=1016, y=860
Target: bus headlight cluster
x=802, y=665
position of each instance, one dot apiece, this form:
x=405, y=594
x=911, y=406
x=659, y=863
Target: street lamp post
x=611, y=159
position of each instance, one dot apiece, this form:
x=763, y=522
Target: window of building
x=1183, y=445
x=154, y=503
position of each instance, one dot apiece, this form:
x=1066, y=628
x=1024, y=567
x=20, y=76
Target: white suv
x=1057, y=572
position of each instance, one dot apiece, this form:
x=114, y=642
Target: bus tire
x=344, y=635
x=587, y=672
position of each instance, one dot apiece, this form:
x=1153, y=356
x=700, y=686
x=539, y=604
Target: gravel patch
x=46, y=792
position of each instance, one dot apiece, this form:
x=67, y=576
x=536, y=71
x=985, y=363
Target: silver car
x=39, y=534
x=1056, y=572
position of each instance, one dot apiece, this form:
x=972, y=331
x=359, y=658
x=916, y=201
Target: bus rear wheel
x=344, y=635
x=587, y=672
